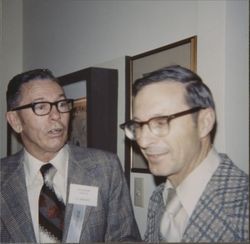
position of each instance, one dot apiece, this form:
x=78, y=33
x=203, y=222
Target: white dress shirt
x=192, y=187
x=34, y=181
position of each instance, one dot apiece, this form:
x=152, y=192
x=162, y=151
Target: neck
x=176, y=179
x=43, y=156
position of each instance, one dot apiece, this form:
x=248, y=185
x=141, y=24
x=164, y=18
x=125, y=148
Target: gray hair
x=197, y=92
x=13, y=94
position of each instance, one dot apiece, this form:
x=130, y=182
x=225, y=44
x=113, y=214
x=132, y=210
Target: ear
x=206, y=121
x=14, y=121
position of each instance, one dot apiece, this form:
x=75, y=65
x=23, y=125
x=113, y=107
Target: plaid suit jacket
x=221, y=214
x=111, y=220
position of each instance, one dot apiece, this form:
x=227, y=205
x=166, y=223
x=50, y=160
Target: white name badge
x=83, y=195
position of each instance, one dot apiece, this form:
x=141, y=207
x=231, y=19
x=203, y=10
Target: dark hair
x=13, y=94
x=197, y=93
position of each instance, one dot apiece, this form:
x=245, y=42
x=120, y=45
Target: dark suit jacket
x=221, y=214
x=111, y=220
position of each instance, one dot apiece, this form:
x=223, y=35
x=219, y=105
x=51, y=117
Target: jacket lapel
x=79, y=172
x=17, y=217
x=201, y=226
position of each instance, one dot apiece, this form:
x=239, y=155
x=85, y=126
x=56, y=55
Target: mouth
x=155, y=156
x=56, y=131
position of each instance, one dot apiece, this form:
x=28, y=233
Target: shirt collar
x=168, y=185
x=192, y=187
x=32, y=165
x=60, y=161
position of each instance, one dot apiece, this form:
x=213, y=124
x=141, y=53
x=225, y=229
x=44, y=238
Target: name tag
x=83, y=195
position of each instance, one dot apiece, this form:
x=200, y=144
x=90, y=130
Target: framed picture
x=78, y=126
x=182, y=53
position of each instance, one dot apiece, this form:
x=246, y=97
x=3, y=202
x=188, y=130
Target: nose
x=146, y=137
x=54, y=113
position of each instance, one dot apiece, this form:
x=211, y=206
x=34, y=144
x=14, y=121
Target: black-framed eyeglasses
x=159, y=126
x=44, y=108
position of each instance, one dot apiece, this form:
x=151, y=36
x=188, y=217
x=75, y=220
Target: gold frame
x=184, y=53
x=78, y=124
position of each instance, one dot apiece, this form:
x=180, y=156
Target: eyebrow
x=41, y=99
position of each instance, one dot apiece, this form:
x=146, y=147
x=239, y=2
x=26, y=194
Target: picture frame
x=184, y=53
x=78, y=125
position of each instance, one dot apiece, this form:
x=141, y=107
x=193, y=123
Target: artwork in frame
x=181, y=53
x=78, y=128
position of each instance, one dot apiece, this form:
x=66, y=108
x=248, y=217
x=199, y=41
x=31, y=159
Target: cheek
x=66, y=119
x=33, y=126
x=183, y=141
x=65, y=124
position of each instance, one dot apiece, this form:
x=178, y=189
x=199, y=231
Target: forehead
x=41, y=89
x=159, y=98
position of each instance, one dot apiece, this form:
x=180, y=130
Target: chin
x=156, y=171
x=56, y=146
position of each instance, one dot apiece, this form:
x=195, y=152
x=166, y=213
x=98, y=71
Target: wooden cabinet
x=102, y=95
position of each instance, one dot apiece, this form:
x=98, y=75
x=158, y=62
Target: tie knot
x=48, y=171
x=173, y=203
x=171, y=195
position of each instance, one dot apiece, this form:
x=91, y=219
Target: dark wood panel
x=102, y=95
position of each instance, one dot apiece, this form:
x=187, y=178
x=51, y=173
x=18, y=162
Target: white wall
x=11, y=57
x=66, y=36
x=69, y=35
x=237, y=83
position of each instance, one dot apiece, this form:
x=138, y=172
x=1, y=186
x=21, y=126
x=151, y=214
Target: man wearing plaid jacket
x=173, y=124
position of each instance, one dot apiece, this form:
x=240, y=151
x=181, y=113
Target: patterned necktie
x=51, y=209
x=170, y=226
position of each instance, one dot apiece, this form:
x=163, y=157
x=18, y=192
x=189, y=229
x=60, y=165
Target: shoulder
x=96, y=167
x=79, y=153
x=232, y=192
x=10, y=164
x=231, y=174
x=11, y=161
x=91, y=157
x=229, y=185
